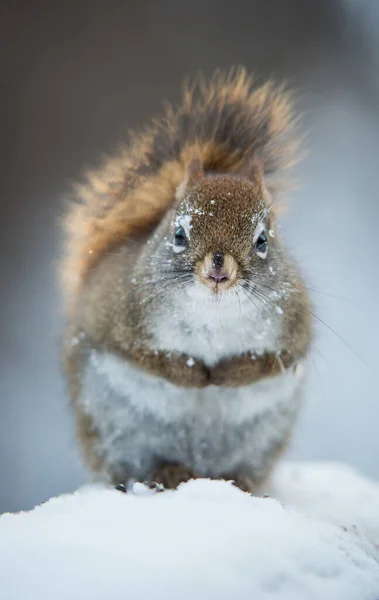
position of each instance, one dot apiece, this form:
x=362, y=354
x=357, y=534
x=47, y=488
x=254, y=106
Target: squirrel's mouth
x=218, y=271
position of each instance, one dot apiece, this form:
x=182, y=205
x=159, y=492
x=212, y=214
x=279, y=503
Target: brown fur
x=233, y=372
x=229, y=124
x=170, y=475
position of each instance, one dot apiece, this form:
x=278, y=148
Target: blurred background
x=75, y=76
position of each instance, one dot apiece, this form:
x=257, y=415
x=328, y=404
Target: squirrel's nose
x=218, y=271
x=217, y=275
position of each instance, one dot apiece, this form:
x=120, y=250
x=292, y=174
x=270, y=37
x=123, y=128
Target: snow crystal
x=299, y=371
x=272, y=270
x=184, y=221
x=213, y=201
x=190, y=362
x=206, y=540
x=142, y=489
x=271, y=233
x=276, y=295
x=279, y=310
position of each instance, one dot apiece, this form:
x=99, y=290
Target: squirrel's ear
x=194, y=172
x=252, y=170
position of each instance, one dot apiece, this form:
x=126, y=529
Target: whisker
x=249, y=296
x=319, y=292
x=311, y=312
x=164, y=282
x=331, y=296
x=239, y=300
x=312, y=239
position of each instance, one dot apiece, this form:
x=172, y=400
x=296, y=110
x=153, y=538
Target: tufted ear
x=194, y=172
x=252, y=170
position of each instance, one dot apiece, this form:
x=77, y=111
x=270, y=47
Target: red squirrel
x=188, y=324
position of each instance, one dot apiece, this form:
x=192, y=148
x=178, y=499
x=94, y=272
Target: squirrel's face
x=222, y=232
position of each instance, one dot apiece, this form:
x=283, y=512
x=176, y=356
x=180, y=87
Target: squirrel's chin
x=211, y=293
x=219, y=293
x=213, y=289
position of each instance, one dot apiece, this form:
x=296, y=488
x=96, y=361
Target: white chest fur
x=142, y=419
x=209, y=329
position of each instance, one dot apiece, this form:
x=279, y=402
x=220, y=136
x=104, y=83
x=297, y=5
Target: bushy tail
x=228, y=121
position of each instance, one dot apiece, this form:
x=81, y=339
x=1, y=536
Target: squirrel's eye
x=180, y=240
x=261, y=245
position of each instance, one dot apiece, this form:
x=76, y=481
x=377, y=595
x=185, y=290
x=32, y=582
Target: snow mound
x=318, y=540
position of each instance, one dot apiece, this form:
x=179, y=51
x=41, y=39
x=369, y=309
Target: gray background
x=75, y=76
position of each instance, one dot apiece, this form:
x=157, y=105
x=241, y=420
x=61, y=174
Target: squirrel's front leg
x=185, y=371
x=170, y=475
x=249, y=368
x=179, y=369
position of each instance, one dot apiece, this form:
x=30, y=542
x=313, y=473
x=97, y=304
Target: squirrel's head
x=222, y=231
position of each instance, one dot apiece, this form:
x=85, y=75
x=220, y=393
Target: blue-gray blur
x=75, y=76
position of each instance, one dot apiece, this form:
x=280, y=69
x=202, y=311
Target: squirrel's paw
x=170, y=475
x=243, y=482
x=140, y=489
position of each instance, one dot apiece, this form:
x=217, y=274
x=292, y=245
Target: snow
x=319, y=539
x=184, y=221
